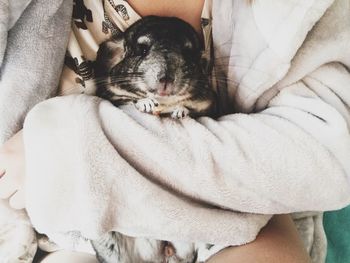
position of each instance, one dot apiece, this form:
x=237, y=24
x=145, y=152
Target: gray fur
x=114, y=247
x=157, y=58
x=155, y=52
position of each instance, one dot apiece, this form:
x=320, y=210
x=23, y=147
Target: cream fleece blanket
x=32, y=47
x=94, y=168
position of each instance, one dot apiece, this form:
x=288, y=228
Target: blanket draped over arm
x=33, y=36
x=10, y=11
x=32, y=50
x=93, y=167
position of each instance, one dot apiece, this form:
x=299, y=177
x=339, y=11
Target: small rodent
x=157, y=65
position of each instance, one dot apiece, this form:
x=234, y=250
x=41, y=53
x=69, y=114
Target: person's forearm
x=261, y=163
x=277, y=242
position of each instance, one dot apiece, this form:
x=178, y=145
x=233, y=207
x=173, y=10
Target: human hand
x=12, y=171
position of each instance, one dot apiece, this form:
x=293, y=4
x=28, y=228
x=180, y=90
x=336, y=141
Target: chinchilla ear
x=109, y=54
x=139, y=28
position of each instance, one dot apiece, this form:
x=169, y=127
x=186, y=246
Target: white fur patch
x=144, y=40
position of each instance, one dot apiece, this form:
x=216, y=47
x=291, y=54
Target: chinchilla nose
x=164, y=79
x=165, y=86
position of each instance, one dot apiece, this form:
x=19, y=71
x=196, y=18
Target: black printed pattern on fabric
x=204, y=22
x=84, y=70
x=107, y=25
x=81, y=13
x=121, y=10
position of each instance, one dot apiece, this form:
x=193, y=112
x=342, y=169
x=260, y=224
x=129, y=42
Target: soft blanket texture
x=33, y=59
x=18, y=243
x=287, y=65
x=93, y=167
x=10, y=11
x=32, y=47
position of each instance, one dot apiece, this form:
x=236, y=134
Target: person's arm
x=289, y=157
x=255, y=144
x=278, y=241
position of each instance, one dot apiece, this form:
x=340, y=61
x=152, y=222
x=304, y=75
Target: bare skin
x=189, y=11
x=277, y=242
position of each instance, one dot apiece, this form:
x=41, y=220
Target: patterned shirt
x=96, y=21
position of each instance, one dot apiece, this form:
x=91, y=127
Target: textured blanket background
x=286, y=151
x=35, y=50
x=33, y=36
x=287, y=64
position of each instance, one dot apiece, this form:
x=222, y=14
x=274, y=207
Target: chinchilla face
x=160, y=56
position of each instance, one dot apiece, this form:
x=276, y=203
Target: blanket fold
x=150, y=198
x=10, y=11
x=35, y=48
x=288, y=152
x=33, y=36
x=18, y=241
x=285, y=149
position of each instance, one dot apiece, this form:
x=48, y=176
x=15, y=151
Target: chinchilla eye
x=187, y=48
x=188, y=44
x=143, y=45
x=143, y=49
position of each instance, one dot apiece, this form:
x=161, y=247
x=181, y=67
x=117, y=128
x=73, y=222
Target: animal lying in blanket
x=155, y=65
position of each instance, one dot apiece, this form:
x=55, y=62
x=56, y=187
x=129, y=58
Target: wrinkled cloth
x=32, y=47
x=18, y=243
x=10, y=11
x=282, y=147
x=31, y=66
